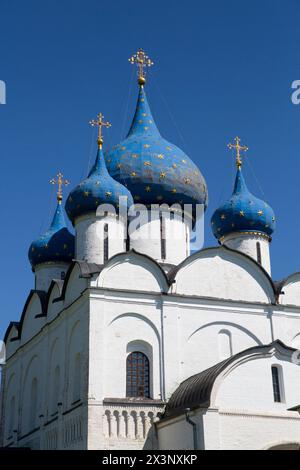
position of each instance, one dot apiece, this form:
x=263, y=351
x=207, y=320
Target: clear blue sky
x=222, y=68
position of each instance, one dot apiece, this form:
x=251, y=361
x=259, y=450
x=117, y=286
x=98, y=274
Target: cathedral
x=131, y=340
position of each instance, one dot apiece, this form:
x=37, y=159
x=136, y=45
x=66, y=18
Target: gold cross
x=142, y=61
x=238, y=148
x=60, y=183
x=99, y=122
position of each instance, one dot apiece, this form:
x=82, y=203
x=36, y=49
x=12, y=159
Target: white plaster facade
x=64, y=383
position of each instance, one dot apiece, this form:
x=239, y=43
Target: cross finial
x=60, y=183
x=99, y=122
x=238, y=149
x=142, y=61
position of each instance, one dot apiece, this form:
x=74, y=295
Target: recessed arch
x=228, y=324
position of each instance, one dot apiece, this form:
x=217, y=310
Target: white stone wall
x=46, y=272
x=130, y=305
x=90, y=237
x=247, y=243
x=146, y=238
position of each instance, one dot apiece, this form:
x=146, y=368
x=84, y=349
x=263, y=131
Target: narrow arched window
x=127, y=240
x=277, y=385
x=63, y=275
x=162, y=236
x=137, y=375
x=105, y=243
x=258, y=252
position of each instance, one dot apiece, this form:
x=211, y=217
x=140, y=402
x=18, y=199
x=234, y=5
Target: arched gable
x=75, y=283
x=11, y=338
x=54, y=301
x=224, y=274
x=246, y=381
x=290, y=290
x=33, y=316
x=133, y=271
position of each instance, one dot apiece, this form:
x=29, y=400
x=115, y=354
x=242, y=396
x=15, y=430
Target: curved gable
x=11, y=338
x=133, y=271
x=291, y=290
x=74, y=284
x=54, y=301
x=224, y=274
x=33, y=316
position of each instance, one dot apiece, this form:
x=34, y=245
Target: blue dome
x=56, y=245
x=243, y=212
x=154, y=170
x=98, y=188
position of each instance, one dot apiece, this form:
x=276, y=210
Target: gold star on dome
x=133, y=173
x=108, y=193
x=147, y=189
x=260, y=212
x=123, y=148
x=86, y=193
x=174, y=190
x=140, y=121
x=146, y=128
x=162, y=174
x=174, y=165
x=144, y=114
x=183, y=161
x=146, y=146
x=160, y=156
x=168, y=148
x=147, y=163
x=242, y=213
x=134, y=155
x=223, y=216
x=119, y=165
x=187, y=180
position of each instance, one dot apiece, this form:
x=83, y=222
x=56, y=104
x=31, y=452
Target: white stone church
x=134, y=342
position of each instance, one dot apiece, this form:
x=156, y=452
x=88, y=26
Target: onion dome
x=57, y=244
x=242, y=212
x=99, y=187
x=153, y=169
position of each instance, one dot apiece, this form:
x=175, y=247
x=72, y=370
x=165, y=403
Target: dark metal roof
x=195, y=392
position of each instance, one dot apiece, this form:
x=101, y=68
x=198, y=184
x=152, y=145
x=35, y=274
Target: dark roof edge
x=195, y=391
